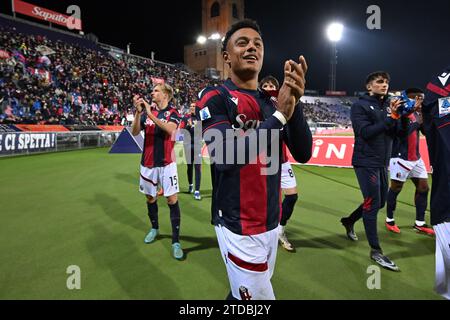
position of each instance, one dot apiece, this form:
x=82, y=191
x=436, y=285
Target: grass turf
x=83, y=208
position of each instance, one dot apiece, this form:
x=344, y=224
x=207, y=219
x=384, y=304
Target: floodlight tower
x=334, y=33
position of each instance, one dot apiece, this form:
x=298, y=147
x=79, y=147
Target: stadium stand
x=50, y=77
x=47, y=81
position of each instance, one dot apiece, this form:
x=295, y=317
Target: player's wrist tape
x=280, y=117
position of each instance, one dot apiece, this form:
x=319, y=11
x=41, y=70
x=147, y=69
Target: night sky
x=412, y=45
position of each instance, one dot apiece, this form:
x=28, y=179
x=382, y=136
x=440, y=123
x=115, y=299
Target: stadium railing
x=27, y=143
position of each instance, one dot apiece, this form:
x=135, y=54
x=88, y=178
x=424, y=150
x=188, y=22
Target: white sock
x=420, y=223
x=390, y=220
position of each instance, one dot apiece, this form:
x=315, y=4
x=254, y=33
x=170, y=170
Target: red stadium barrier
x=338, y=152
x=41, y=128
x=111, y=128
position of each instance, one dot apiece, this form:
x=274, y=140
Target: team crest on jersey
x=167, y=114
x=245, y=294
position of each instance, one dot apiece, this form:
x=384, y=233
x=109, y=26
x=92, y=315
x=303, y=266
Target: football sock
x=175, y=218
x=190, y=172
x=288, y=208
x=198, y=176
x=390, y=222
x=421, y=205
x=420, y=223
x=153, y=214
x=391, y=203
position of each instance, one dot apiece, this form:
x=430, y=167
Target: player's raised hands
x=394, y=105
x=295, y=77
x=144, y=104
x=293, y=87
x=136, y=104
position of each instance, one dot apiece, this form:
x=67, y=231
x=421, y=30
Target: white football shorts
x=166, y=177
x=288, y=180
x=402, y=170
x=250, y=263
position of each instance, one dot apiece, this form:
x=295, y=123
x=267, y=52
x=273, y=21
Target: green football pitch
x=83, y=208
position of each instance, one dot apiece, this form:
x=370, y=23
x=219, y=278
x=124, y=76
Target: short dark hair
x=270, y=79
x=414, y=90
x=247, y=23
x=377, y=74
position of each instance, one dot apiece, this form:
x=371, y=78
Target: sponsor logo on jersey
x=235, y=100
x=444, y=107
x=245, y=125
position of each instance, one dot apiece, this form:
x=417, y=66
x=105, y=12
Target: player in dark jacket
x=436, y=116
x=375, y=122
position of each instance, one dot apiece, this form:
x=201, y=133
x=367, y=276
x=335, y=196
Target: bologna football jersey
x=246, y=201
x=406, y=145
x=158, y=144
x=436, y=113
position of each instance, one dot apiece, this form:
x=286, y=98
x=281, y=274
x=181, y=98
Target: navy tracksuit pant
x=374, y=185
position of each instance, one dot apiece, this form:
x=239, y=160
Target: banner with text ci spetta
x=17, y=143
x=40, y=13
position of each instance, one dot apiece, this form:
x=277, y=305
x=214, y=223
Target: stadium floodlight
x=335, y=31
x=215, y=36
x=201, y=40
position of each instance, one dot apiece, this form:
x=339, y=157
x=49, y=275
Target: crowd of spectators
x=330, y=113
x=47, y=82
x=53, y=82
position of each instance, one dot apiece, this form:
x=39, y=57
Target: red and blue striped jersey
x=406, y=143
x=246, y=201
x=436, y=115
x=158, y=145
